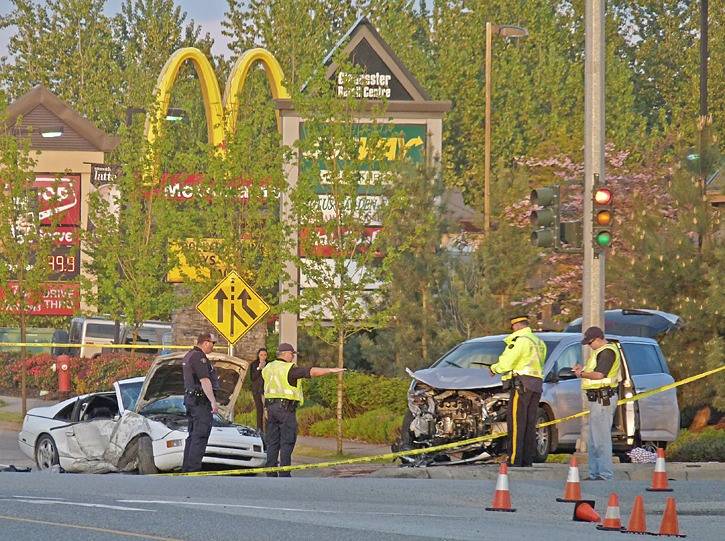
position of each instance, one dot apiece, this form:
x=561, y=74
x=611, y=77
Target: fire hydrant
x=62, y=363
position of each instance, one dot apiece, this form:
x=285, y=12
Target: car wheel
x=543, y=437
x=46, y=453
x=146, y=464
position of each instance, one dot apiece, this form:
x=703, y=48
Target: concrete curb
x=676, y=471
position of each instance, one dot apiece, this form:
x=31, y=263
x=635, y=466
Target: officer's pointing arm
x=316, y=371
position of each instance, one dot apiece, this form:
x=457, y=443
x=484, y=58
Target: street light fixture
x=505, y=31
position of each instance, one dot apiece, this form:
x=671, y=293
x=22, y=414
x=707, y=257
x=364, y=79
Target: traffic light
x=602, y=218
x=545, y=218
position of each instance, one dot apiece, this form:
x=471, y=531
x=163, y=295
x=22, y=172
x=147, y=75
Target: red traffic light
x=603, y=196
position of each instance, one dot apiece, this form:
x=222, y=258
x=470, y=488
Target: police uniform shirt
x=605, y=360
x=197, y=367
x=296, y=373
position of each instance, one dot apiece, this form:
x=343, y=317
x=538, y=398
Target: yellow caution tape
x=436, y=448
x=96, y=345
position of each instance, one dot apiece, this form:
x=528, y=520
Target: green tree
x=67, y=46
x=347, y=183
x=237, y=202
x=297, y=33
x=664, y=265
x=25, y=244
x=128, y=245
x=146, y=34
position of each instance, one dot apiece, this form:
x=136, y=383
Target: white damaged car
x=141, y=425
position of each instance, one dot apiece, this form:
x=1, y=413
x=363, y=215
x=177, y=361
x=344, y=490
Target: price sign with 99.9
x=63, y=263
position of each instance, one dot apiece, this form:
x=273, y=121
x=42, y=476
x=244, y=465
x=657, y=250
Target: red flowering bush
x=87, y=375
x=6, y=372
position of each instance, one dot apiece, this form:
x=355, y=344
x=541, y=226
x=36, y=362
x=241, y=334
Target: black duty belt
x=288, y=404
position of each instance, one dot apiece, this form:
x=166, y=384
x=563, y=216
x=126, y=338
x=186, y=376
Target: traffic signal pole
x=593, y=294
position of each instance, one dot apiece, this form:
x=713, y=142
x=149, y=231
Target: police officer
x=600, y=377
x=282, y=396
x=200, y=382
x=522, y=365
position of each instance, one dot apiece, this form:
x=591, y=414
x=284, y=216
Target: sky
x=207, y=13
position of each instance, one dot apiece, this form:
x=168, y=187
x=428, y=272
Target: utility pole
x=593, y=294
x=487, y=135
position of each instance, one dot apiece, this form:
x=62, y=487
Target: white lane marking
x=77, y=504
x=292, y=509
x=37, y=497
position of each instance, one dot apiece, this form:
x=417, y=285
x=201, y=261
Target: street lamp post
x=506, y=31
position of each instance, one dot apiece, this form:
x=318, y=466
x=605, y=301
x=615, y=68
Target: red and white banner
x=57, y=299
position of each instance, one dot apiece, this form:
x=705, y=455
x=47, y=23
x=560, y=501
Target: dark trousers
x=280, y=437
x=259, y=407
x=522, y=410
x=200, y=417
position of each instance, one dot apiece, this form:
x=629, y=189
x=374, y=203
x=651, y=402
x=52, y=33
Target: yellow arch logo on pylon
x=221, y=115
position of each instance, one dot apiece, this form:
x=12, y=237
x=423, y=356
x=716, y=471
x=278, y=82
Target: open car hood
x=457, y=378
x=165, y=378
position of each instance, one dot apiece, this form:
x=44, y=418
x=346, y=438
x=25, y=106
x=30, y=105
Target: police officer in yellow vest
x=282, y=396
x=521, y=365
x=600, y=379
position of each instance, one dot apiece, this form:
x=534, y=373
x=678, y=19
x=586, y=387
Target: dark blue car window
x=472, y=355
x=480, y=354
x=642, y=359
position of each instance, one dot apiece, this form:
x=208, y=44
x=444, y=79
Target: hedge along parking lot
x=373, y=407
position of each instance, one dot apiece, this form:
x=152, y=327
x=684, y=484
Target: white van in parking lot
x=101, y=331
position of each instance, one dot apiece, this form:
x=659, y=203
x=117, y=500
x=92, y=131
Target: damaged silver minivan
x=457, y=398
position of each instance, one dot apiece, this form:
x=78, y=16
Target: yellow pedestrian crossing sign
x=233, y=307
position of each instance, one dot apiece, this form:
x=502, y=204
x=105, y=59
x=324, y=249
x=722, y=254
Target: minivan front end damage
x=438, y=416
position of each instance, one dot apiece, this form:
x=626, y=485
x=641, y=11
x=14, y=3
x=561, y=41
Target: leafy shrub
x=376, y=426
x=361, y=392
x=309, y=415
x=6, y=374
x=247, y=418
x=245, y=401
x=705, y=446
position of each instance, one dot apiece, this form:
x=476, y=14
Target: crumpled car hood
x=457, y=378
x=165, y=378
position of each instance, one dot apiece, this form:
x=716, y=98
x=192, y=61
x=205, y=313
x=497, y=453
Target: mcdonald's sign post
x=416, y=121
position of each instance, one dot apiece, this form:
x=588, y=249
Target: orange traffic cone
x=659, y=478
x=669, y=524
x=502, y=497
x=637, y=520
x=612, y=519
x=572, y=489
x=584, y=512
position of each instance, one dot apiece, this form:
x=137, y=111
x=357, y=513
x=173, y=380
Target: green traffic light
x=604, y=238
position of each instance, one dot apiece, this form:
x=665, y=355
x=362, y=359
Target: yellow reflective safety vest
x=524, y=355
x=276, y=384
x=612, y=379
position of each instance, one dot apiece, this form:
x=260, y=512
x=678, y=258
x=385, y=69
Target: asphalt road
x=121, y=507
